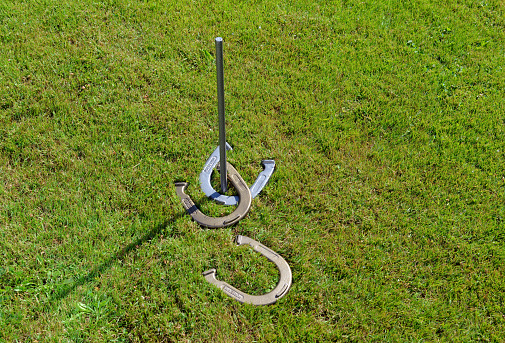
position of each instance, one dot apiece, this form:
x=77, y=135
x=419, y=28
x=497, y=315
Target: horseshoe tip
x=181, y=184
x=238, y=240
x=210, y=271
x=269, y=162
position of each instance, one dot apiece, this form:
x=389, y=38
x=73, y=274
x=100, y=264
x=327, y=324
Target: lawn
x=386, y=120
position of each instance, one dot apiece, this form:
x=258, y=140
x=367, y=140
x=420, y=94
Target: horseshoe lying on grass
x=210, y=164
x=279, y=291
x=244, y=203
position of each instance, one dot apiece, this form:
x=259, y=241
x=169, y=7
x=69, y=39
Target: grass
x=386, y=122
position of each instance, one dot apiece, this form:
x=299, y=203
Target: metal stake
x=220, y=110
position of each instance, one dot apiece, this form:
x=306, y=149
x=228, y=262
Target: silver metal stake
x=220, y=110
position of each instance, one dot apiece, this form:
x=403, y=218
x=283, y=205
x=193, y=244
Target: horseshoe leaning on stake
x=243, y=207
x=279, y=291
x=210, y=164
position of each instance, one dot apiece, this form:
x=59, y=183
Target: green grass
x=386, y=121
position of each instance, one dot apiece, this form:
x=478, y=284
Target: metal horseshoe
x=240, y=212
x=210, y=164
x=279, y=291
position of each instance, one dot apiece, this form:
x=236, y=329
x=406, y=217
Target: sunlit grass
x=386, y=122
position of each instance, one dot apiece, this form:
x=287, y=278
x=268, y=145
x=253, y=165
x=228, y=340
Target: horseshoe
x=210, y=164
x=240, y=212
x=279, y=291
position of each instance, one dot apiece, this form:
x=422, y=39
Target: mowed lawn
x=386, y=120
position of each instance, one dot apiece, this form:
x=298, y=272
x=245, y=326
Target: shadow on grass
x=97, y=271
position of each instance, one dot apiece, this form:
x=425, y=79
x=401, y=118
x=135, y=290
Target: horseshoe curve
x=210, y=164
x=278, y=292
x=240, y=212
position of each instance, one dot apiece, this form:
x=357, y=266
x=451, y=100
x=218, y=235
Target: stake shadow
x=121, y=254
